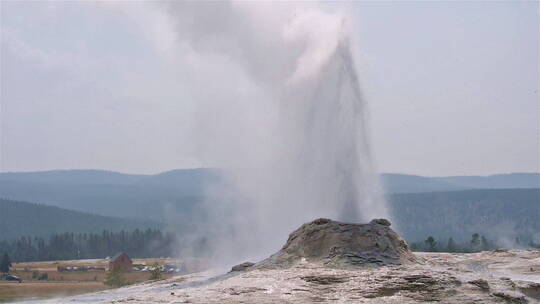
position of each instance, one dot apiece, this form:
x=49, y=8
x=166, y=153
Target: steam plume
x=290, y=133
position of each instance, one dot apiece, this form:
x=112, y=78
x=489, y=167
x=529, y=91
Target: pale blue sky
x=452, y=87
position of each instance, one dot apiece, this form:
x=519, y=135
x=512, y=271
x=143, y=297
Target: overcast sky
x=452, y=87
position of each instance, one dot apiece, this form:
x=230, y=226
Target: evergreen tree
x=484, y=243
x=475, y=242
x=69, y=246
x=451, y=246
x=431, y=244
x=155, y=273
x=115, y=277
x=5, y=264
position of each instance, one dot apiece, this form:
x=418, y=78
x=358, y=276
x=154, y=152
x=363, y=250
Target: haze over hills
x=27, y=219
x=91, y=177
x=193, y=181
x=403, y=183
x=136, y=195
x=186, y=179
x=422, y=206
x=111, y=193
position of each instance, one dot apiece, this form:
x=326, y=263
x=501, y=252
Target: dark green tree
x=475, y=242
x=431, y=244
x=155, y=273
x=451, y=246
x=484, y=243
x=5, y=264
x=115, y=277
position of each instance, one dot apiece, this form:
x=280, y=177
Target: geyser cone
x=337, y=244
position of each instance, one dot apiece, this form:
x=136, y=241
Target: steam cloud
x=282, y=114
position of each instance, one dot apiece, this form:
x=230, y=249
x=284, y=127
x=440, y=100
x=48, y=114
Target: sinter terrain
x=331, y=262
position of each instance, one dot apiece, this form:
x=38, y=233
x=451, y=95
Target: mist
x=280, y=111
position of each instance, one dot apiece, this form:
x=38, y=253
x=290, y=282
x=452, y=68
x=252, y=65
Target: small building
x=122, y=261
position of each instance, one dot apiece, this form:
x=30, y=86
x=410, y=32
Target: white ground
x=498, y=277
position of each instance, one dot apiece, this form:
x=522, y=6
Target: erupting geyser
x=290, y=133
x=319, y=163
x=333, y=157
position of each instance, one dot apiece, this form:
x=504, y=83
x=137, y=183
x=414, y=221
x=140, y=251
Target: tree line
x=151, y=243
x=69, y=246
x=477, y=243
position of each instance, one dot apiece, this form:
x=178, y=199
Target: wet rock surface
x=242, y=267
x=336, y=244
x=480, y=283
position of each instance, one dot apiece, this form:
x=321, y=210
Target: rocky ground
x=331, y=262
x=485, y=277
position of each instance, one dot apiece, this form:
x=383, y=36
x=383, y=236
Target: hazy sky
x=452, y=87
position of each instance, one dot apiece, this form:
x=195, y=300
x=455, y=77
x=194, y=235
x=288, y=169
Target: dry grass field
x=10, y=291
x=67, y=283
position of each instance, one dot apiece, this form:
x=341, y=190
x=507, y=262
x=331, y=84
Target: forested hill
x=500, y=214
x=180, y=192
x=29, y=219
x=444, y=208
x=111, y=193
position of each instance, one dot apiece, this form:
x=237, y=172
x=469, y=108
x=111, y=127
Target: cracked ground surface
x=485, y=277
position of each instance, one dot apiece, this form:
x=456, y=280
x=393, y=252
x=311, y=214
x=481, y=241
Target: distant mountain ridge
x=395, y=182
x=179, y=193
x=100, y=177
x=496, y=181
x=111, y=193
x=19, y=218
x=403, y=183
x=440, y=206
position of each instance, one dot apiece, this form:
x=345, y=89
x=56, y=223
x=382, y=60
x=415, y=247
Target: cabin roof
x=118, y=255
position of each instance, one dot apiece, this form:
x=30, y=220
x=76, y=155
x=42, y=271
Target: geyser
x=331, y=160
x=289, y=131
x=342, y=245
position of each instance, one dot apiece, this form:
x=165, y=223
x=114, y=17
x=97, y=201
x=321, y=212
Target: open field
x=25, y=270
x=67, y=283
x=83, y=276
x=42, y=289
x=48, y=265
